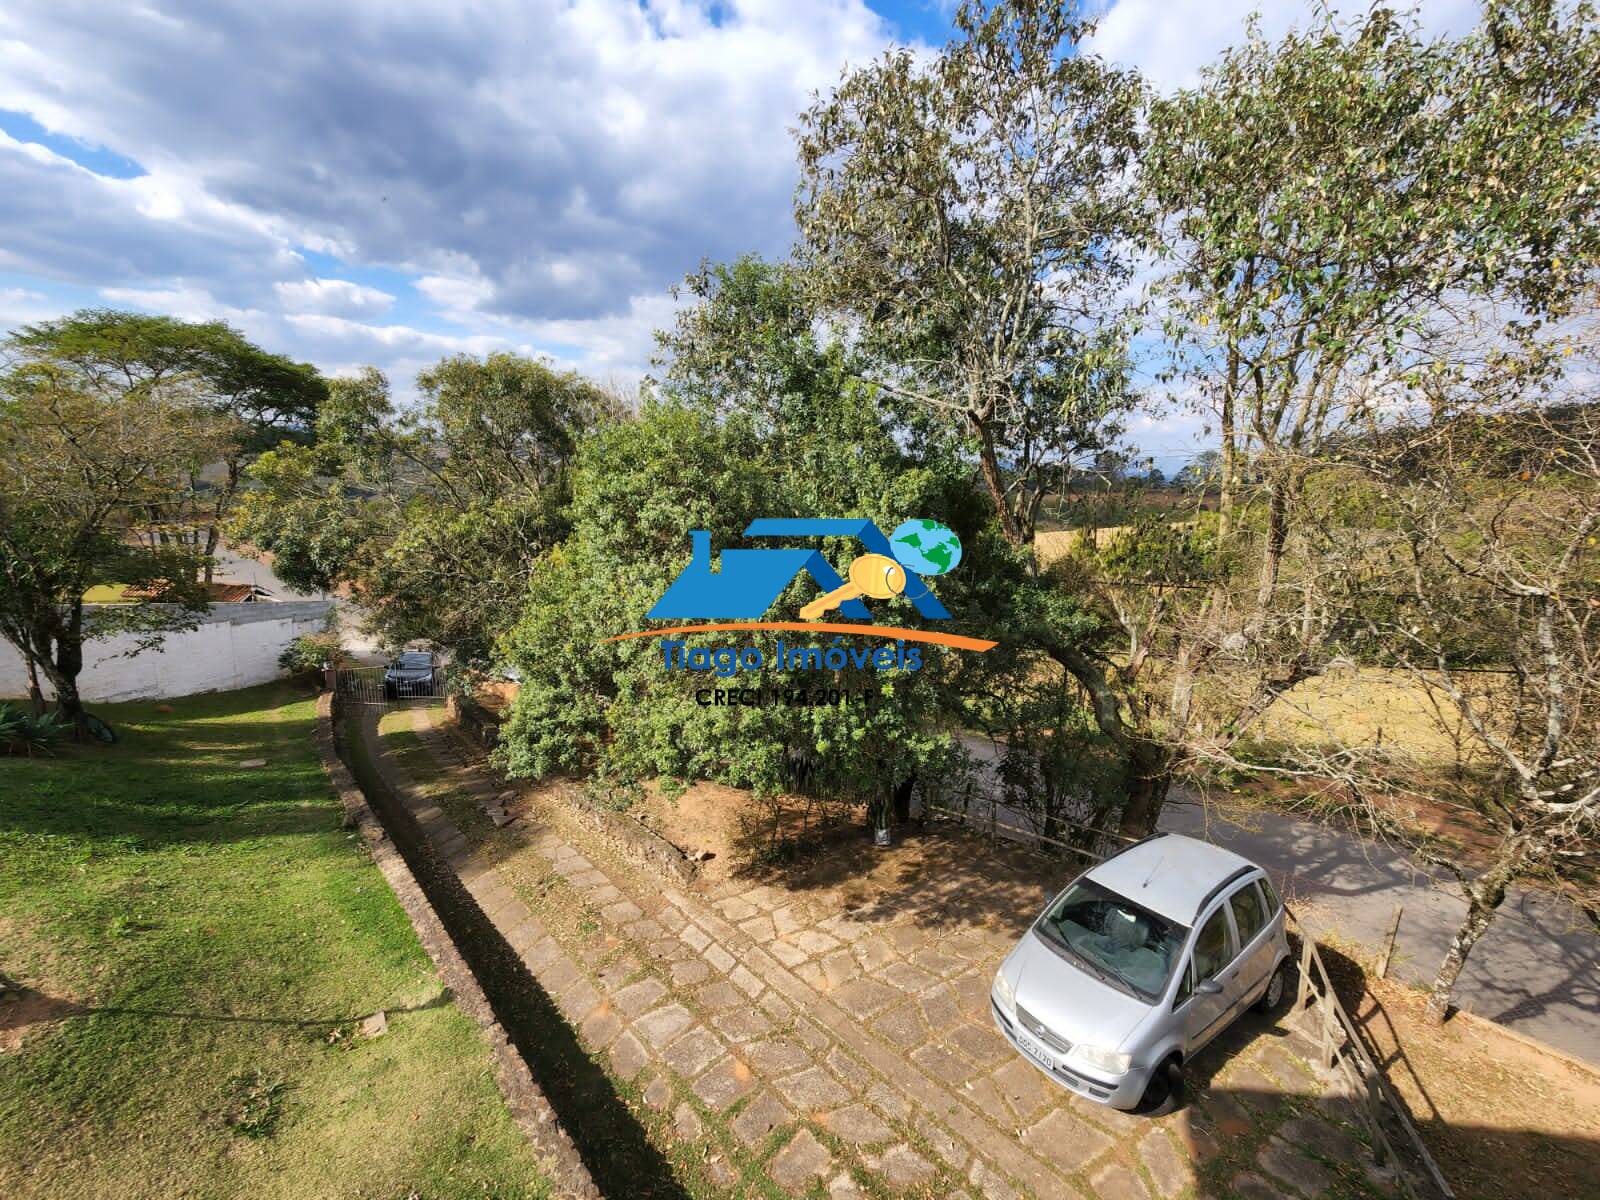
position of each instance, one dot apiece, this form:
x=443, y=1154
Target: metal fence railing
x=1343, y=1050
x=378, y=686
x=1002, y=822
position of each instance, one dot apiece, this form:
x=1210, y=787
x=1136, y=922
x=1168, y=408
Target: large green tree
x=254, y=397
x=83, y=461
x=970, y=216
x=974, y=218
x=435, y=515
x=755, y=417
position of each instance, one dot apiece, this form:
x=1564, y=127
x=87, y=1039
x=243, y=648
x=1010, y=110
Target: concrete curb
x=569, y=1177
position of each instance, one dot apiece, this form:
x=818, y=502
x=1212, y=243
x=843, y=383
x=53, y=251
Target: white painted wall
x=236, y=645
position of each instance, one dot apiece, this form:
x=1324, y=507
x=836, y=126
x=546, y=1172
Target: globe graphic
x=926, y=547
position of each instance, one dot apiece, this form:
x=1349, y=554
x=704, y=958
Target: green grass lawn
x=203, y=938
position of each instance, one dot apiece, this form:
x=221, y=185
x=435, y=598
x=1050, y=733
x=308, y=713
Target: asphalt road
x=1537, y=969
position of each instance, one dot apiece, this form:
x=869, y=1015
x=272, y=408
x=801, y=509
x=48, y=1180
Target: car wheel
x=1164, y=1093
x=1277, y=986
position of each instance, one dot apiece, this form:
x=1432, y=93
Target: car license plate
x=1035, y=1051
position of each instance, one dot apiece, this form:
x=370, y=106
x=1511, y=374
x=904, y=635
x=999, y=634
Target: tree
x=1201, y=471
x=436, y=517
x=257, y=397
x=754, y=416
x=1331, y=205
x=1513, y=554
x=973, y=218
x=81, y=461
x=1369, y=237
x=1461, y=559
x=970, y=216
x=1317, y=246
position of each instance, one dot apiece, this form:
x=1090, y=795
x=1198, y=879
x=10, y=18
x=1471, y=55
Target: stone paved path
x=848, y=1052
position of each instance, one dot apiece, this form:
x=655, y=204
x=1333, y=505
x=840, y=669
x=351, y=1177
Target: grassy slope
x=218, y=924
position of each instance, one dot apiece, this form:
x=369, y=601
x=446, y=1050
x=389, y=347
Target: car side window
x=1185, y=985
x=1212, y=951
x=1273, y=903
x=1248, y=912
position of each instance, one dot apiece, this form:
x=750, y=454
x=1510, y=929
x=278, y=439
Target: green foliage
x=248, y=398
x=84, y=462
x=434, y=516
x=1324, y=194
x=969, y=215
x=309, y=653
x=313, y=526
x=807, y=442
x=224, y=372
x=24, y=732
x=1056, y=768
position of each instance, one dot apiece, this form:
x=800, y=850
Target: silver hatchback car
x=1140, y=962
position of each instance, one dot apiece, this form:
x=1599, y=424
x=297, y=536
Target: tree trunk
x=902, y=799
x=1484, y=897
x=1148, y=782
x=218, y=512
x=1272, y=552
x=64, y=681
x=1480, y=911
x=1230, y=454
x=1181, y=705
x=64, y=666
x=209, y=568
x=989, y=467
x=35, y=692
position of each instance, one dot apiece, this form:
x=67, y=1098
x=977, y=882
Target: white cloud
x=536, y=165
x=336, y=297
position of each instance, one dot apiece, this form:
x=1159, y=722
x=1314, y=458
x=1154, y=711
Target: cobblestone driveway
x=830, y=1042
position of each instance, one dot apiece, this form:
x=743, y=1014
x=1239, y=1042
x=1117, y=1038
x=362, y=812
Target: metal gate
x=376, y=685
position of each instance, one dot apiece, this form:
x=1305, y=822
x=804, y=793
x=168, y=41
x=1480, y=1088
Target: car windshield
x=1115, y=937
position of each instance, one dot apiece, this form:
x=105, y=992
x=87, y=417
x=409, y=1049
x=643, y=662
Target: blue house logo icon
x=746, y=583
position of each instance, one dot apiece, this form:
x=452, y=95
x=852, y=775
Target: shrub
x=308, y=652
x=24, y=733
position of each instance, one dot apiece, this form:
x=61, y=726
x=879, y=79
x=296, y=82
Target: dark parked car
x=413, y=674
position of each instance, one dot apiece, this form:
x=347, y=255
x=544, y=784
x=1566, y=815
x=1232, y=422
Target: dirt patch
x=24, y=1012
x=1493, y=1108
x=728, y=831
x=496, y=695
x=36, y=986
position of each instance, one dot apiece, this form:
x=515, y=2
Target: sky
x=378, y=183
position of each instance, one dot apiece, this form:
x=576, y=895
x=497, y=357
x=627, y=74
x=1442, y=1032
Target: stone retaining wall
x=568, y=1175
x=640, y=843
x=475, y=720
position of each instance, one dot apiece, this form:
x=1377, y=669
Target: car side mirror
x=1208, y=987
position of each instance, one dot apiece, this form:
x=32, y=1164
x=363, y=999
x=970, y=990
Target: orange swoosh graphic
x=883, y=631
